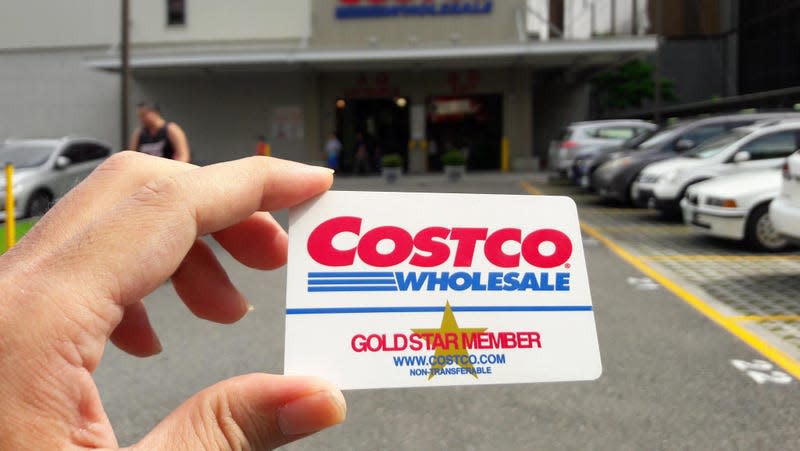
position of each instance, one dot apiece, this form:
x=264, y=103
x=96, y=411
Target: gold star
x=442, y=340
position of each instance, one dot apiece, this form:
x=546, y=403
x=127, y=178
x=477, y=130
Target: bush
x=453, y=158
x=392, y=160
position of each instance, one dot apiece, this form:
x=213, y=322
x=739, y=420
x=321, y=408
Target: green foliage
x=392, y=160
x=453, y=158
x=22, y=228
x=630, y=85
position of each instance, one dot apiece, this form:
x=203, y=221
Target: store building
x=414, y=77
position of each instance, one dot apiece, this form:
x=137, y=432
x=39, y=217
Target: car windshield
x=22, y=155
x=636, y=141
x=661, y=136
x=716, y=145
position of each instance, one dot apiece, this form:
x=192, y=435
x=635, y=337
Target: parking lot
x=672, y=379
x=748, y=292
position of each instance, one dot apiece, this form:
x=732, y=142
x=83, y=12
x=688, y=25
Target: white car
x=760, y=146
x=46, y=169
x=736, y=207
x=784, y=211
x=583, y=136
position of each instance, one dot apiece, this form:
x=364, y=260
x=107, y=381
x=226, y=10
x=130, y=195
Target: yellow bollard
x=11, y=232
x=504, y=155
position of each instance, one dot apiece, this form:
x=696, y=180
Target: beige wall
x=498, y=26
x=215, y=20
x=26, y=24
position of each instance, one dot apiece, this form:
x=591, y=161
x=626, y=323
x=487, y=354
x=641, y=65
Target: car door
x=765, y=152
x=73, y=170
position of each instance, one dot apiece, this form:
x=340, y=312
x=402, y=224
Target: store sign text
x=367, y=9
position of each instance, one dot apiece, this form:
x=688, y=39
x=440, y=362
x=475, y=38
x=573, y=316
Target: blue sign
x=354, y=9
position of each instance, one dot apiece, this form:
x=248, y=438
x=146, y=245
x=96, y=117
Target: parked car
x=579, y=136
x=763, y=145
x=784, y=211
x=588, y=160
x=46, y=169
x=614, y=179
x=736, y=207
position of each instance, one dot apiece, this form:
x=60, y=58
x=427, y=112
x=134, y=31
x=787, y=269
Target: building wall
x=214, y=20
x=223, y=114
x=26, y=24
x=498, y=26
x=49, y=93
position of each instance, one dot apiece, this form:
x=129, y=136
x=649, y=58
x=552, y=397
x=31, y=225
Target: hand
x=78, y=277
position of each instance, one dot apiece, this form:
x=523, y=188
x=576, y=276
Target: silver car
x=581, y=136
x=46, y=169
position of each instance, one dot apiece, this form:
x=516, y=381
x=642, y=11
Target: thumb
x=251, y=412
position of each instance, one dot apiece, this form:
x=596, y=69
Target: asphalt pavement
x=672, y=378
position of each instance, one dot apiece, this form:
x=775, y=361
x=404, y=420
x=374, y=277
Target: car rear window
x=619, y=133
x=25, y=155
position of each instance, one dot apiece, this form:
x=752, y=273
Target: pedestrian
x=262, y=146
x=361, y=165
x=155, y=136
x=333, y=147
x=109, y=243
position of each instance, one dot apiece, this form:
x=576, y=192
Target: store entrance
x=375, y=126
x=472, y=125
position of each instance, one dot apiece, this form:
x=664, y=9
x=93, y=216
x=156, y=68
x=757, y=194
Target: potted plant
x=454, y=165
x=391, y=167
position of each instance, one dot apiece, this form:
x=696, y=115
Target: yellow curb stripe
x=720, y=257
x=766, y=349
x=531, y=189
x=763, y=318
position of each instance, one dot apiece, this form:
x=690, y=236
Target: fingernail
x=312, y=413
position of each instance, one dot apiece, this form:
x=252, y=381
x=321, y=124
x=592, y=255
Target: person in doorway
x=333, y=147
x=361, y=155
x=262, y=147
x=158, y=137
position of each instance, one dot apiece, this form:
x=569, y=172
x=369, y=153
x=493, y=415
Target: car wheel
x=761, y=234
x=39, y=203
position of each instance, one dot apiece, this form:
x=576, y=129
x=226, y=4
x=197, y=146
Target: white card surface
x=423, y=289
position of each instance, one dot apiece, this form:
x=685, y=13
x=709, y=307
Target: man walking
x=333, y=148
x=158, y=137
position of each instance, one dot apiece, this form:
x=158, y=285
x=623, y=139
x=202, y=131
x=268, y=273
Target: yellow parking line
x=766, y=349
x=720, y=257
x=531, y=189
x=763, y=318
x=647, y=227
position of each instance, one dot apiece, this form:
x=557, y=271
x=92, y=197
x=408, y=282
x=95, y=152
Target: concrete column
x=518, y=117
x=315, y=130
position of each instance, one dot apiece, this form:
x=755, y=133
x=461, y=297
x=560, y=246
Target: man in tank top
x=158, y=137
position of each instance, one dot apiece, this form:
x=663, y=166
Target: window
x=614, y=133
x=775, y=145
x=704, y=132
x=83, y=152
x=176, y=12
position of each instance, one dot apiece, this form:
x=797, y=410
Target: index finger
x=128, y=252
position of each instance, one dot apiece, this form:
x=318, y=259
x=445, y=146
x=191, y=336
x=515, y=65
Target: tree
x=629, y=86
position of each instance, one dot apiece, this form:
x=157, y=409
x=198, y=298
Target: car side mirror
x=684, y=144
x=741, y=156
x=62, y=162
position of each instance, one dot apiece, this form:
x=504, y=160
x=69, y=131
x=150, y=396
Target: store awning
x=544, y=54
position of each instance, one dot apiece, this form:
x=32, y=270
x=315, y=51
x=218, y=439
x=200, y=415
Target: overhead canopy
x=540, y=54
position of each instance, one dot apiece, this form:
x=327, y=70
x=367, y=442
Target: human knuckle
x=164, y=191
x=216, y=426
x=120, y=161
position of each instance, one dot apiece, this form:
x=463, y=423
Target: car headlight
x=721, y=202
x=621, y=162
x=669, y=177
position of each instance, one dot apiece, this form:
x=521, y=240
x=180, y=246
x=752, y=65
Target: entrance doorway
x=472, y=125
x=380, y=125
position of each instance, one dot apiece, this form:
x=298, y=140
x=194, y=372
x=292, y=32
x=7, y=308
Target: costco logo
x=362, y=9
x=435, y=246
